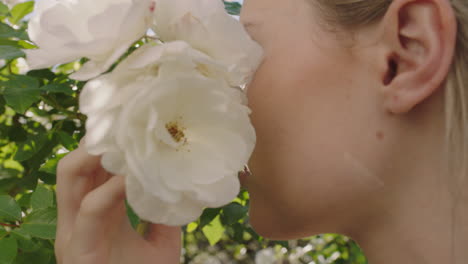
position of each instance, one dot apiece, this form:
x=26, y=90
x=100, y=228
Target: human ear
x=419, y=41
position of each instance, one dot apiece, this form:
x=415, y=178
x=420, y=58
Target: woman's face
x=315, y=103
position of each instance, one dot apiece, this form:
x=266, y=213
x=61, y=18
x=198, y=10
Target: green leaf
x=208, y=215
x=238, y=232
x=58, y=88
x=11, y=43
x=7, y=173
x=233, y=212
x=2, y=107
x=30, y=147
x=42, y=74
x=9, y=52
x=6, y=31
x=233, y=8
x=3, y=232
x=41, y=223
x=134, y=219
x=17, y=133
x=9, y=249
x=21, y=92
x=25, y=200
x=46, y=151
x=191, y=227
x=214, y=231
x=8, y=184
x=253, y=234
x=26, y=45
x=29, y=181
x=9, y=209
x=41, y=256
x=25, y=242
x=47, y=178
x=42, y=198
x=4, y=9
x=50, y=166
x=67, y=141
x=20, y=10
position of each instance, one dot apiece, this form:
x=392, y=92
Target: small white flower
x=179, y=135
x=102, y=97
x=98, y=30
x=266, y=256
x=207, y=27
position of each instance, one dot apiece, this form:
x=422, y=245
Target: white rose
x=105, y=96
x=206, y=26
x=191, y=150
x=98, y=30
x=178, y=135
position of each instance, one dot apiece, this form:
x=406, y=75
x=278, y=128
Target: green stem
x=3, y=224
x=52, y=102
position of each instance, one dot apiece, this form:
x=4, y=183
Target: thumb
x=99, y=209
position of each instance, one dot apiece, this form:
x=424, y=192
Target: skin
x=92, y=225
x=345, y=144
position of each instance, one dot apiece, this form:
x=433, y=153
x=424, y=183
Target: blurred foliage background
x=40, y=123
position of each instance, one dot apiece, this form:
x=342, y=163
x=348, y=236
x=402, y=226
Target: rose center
x=176, y=131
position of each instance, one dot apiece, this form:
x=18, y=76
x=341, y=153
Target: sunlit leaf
x=3, y=9
x=213, y=231
x=21, y=10
x=21, y=92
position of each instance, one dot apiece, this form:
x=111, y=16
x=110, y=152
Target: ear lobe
x=420, y=41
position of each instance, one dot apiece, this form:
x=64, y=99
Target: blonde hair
x=352, y=14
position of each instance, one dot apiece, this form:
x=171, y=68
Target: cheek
x=304, y=119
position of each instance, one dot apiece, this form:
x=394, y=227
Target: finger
x=100, y=210
x=77, y=174
x=162, y=236
x=79, y=162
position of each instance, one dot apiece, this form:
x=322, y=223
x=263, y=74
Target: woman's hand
x=93, y=227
